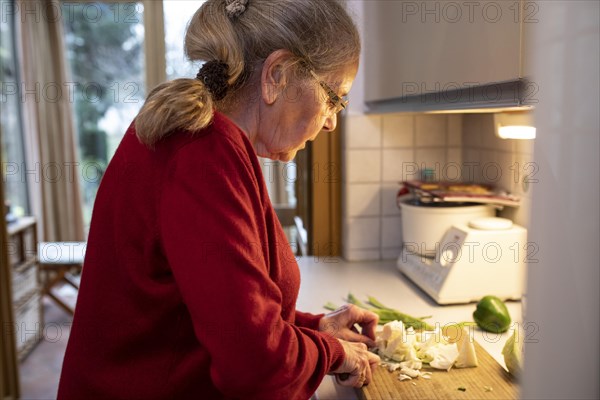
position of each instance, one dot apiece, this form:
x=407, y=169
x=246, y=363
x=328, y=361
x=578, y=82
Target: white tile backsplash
x=363, y=199
x=505, y=161
x=389, y=206
x=391, y=232
x=431, y=130
x=391, y=253
x=489, y=167
x=431, y=157
x=501, y=162
x=362, y=131
x=486, y=130
x=398, y=131
x=398, y=165
x=524, y=174
x=383, y=150
x=524, y=146
x=452, y=170
x=455, y=129
x=498, y=144
x=363, y=233
x=489, y=139
x=473, y=131
x=363, y=166
x=471, y=165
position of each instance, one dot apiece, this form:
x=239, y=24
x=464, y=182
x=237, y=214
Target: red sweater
x=189, y=285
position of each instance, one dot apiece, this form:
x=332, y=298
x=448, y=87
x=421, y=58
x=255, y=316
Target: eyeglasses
x=336, y=103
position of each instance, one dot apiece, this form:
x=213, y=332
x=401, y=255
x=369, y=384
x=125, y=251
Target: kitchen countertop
x=331, y=279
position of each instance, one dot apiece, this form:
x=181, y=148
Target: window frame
x=27, y=206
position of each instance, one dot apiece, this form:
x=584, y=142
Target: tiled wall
x=505, y=163
x=379, y=151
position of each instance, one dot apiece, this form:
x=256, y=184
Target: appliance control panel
x=468, y=264
x=422, y=270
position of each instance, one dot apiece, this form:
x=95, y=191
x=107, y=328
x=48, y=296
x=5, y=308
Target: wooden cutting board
x=444, y=385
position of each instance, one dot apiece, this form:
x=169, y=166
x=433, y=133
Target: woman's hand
x=356, y=370
x=340, y=324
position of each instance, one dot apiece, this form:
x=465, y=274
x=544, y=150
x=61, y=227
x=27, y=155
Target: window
x=108, y=59
x=177, y=15
x=105, y=51
x=11, y=132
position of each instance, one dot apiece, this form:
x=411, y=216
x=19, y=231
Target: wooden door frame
x=325, y=197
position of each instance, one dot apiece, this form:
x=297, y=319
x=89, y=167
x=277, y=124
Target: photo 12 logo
x=453, y=12
x=55, y=12
x=471, y=171
x=52, y=172
x=54, y=92
x=491, y=252
x=523, y=92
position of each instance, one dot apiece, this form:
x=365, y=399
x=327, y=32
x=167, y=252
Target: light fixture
x=514, y=125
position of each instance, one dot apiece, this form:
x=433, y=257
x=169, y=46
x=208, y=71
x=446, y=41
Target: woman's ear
x=275, y=75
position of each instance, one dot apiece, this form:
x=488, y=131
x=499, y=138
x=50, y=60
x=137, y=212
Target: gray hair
x=242, y=33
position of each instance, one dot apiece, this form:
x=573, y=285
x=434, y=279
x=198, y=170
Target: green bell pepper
x=492, y=315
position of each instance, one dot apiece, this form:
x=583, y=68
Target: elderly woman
x=189, y=287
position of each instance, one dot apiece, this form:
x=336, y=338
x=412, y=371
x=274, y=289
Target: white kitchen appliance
x=484, y=257
x=425, y=223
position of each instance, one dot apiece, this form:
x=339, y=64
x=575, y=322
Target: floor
x=40, y=370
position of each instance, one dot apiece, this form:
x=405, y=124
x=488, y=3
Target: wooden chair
x=57, y=262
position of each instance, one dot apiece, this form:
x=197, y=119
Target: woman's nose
x=330, y=123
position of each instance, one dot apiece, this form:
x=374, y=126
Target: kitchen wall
x=504, y=163
x=379, y=151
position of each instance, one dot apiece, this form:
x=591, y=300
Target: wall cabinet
x=26, y=295
x=443, y=53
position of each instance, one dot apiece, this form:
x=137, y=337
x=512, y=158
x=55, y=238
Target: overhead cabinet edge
x=415, y=50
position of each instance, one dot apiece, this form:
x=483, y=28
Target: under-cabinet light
x=514, y=125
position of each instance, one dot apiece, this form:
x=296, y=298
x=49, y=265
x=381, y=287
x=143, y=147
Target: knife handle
x=344, y=376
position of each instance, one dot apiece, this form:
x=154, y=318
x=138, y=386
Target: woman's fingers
x=373, y=358
x=369, y=362
x=369, y=325
x=351, y=336
x=342, y=322
x=366, y=319
x=374, y=361
x=356, y=369
x=369, y=375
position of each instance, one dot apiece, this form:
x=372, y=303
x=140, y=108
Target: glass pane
x=105, y=50
x=13, y=157
x=177, y=14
